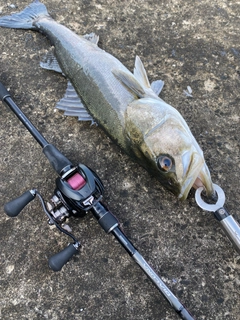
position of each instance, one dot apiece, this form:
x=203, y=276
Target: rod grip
x=14, y=207
x=3, y=92
x=56, y=158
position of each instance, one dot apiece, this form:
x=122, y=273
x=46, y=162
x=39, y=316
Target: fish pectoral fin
x=92, y=37
x=157, y=86
x=130, y=82
x=50, y=62
x=140, y=73
x=72, y=105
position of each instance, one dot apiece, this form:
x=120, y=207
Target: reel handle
x=57, y=261
x=14, y=207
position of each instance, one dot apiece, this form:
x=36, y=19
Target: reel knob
x=57, y=261
x=14, y=207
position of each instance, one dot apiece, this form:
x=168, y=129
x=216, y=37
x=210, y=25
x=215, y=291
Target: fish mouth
x=204, y=180
x=198, y=175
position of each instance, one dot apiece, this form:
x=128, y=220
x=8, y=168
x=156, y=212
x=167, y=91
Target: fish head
x=163, y=144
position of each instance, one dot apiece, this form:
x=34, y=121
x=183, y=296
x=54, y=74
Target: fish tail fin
x=26, y=18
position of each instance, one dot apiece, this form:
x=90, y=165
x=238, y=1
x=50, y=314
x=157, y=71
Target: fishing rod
x=78, y=191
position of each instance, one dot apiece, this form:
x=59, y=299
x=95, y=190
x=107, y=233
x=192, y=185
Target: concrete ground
x=185, y=43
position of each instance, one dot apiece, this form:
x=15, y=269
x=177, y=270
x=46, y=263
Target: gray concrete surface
x=185, y=43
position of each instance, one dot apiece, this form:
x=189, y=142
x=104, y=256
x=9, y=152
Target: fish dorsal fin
x=72, y=105
x=92, y=37
x=140, y=73
x=138, y=82
x=157, y=86
x=130, y=82
x=50, y=62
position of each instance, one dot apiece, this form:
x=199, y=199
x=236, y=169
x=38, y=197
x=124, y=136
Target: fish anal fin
x=130, y=82
x=72, y=105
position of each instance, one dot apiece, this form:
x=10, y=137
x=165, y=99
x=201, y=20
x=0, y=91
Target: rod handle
x=58, y=161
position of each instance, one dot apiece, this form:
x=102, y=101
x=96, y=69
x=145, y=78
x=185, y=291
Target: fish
x=123, y=103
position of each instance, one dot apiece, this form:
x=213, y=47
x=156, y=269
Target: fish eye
x=164, y=163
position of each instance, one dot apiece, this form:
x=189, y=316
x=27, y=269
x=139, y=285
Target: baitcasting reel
x=79, y=190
